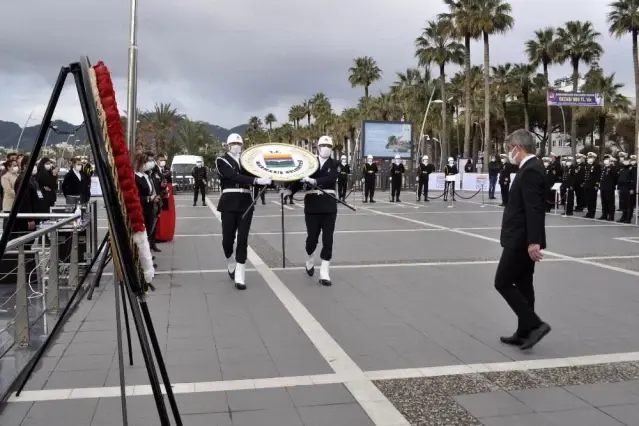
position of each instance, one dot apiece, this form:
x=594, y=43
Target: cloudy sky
x=223, y=61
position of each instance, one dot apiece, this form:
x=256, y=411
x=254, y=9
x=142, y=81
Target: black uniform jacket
x=524, y=220
x=397, y=171
x=236, y=182
x=318, y=203
x=343, y=170
x=370, y=170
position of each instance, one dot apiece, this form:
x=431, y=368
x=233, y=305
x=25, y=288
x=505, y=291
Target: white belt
x=317, y=192
x=238, y=190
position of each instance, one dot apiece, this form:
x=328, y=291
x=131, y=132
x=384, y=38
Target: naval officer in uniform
x=320, y=209
x=235, y=200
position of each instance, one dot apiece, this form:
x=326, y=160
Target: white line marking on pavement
x=385, y=265
x=495, y=240
x=634, y=240
x=280, y=382
x=380, y=410
x=280, y=204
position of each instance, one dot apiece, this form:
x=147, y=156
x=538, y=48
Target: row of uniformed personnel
x=581, y=180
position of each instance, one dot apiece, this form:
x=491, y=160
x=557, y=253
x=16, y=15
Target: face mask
x=149, y=165
x=626, y=162
x=198, y=164
x=606, y=162
x=512, y=156
x=343, y=162
x=324, y=152
x=590, y=160
x=451, y=163
x=568, y=163
x=398, y=162
x=235, y=149
x=546, y=164
x=15, y=169
x=579, y=160
x=162, y=163
x=78, y=167
x=424, y=162
x=633, y=162
x=492, y=159
x=47, y=167
x=369, y=162
x=503, y=161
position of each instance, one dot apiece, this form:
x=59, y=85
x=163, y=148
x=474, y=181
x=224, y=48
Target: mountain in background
x=10, y=133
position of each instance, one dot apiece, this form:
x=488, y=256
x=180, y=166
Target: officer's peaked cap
x=569, y=158
x=234, y=138
x=580, y=155
x=325, y=140
x=503, y=155
x=633, y=157
x=592, y=155
x=622, y=154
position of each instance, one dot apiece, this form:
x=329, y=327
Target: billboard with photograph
x=386, y=139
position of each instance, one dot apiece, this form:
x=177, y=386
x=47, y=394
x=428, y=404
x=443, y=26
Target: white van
x=182, y=167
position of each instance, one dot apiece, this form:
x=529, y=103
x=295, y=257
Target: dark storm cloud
x=221, y=60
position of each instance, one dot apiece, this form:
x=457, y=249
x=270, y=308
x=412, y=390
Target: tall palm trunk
x=601, y=128
x=487, y=140
x=467, y=89
x=444, y=136
x=505, y=117
x=635, y=59
x=548, y=116
x=366, y=91
x=573, y=118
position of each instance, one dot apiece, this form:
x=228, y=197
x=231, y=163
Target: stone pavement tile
x=626, y=414
x=532, y=419
x=259, y=399
x=99, y=325
x=549, y=399
x=95, y=336
x=271, y=417
x=335, y=415
x=307, y=396
x=37, y=380
x=209, y=419
x=581, y=417
x=12, y=414
x=200, y=403
x=603, y=394
x=492, y=404
x=73, y=362
x=91, y=348
x=76, y=379
x=61, y=413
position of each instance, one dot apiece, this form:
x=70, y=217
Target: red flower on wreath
x=121, y=155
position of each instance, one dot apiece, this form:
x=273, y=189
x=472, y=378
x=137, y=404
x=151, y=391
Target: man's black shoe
x=535, y=336
x=513, y=340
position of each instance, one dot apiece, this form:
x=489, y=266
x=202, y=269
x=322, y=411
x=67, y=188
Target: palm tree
x=364, y=72
x=492, y=17
x=295, y=114
x=503, y=85
x=522, y=76
x=623, y=18
x=615, y=103
x=162, y=121
x=269, y=120
x=438, y=45
x=193, y=135
x=462, y=17
x=578, y=42
x=543, y=50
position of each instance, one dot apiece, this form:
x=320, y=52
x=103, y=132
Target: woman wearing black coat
x=47, y=182
x=33, y=202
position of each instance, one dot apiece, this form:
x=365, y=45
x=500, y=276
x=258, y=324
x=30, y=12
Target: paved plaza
x=407, y=335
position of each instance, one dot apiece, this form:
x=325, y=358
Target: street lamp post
x=23, y=128
x=46, y=141
x=421, y=132
x=132, y=89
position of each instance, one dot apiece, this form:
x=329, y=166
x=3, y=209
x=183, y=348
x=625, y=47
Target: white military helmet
x=326, y=141
x=425, y=157
x=450, y=159
x=370, y=157
x=397, y=157
x=234, y=138
x=343, y=157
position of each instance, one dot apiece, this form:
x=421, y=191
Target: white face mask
x=15, y=169
x=235, y=149
x=324, y=152
x=626, y=162
x=580, y=160
x=606, y=162
x=149, y=165
x=512, y=156
x=47, y=167
x=425, y=161
x=343, y=161
x=398, y=162
x=568, y=163
x=198, y=164
x=590, y=160
x=546, y=163
x=369, y=160
x=162, y=163
x=503, y=161
x=78, y=167
x=451, y=163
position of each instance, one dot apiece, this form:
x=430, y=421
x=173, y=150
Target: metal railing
x=48, y=264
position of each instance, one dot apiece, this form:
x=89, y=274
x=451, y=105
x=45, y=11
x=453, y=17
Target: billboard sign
x=573, y=99
x=386, y=139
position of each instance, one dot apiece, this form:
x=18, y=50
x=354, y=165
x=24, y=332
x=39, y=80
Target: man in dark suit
x=523, y=237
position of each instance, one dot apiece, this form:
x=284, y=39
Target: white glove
x=363, y=180
x=263, y=181
x=286, y=192
x=417, y=178
x=309, y=180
